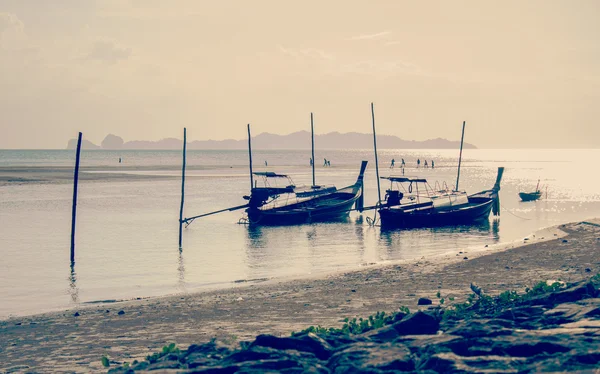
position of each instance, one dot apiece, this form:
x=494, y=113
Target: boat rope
x=506, y=210
x=373, y=221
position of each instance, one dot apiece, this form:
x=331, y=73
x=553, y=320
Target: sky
x=521, y=73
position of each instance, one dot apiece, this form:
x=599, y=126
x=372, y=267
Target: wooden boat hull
x=530, y=196
x=333, y=206
x=476, y=210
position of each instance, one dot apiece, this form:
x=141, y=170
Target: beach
x=75, y=340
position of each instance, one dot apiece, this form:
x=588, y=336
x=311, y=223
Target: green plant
x=167, y=349
x=356, y=326
x=486, y=305
x=105, y=361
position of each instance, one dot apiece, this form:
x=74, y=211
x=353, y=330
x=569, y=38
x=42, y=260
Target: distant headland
x=296, y=140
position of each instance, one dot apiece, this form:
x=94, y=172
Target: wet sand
x=14, y=175
x=75, y=340
x=62, y=174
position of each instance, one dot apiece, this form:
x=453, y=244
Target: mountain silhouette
x=265, y=140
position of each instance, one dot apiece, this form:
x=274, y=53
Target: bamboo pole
x=74, y=212
x=190, y=219
x=312, y=138
x=375, y=147
x=182, y=186
x=462, y=138
x=250, y=158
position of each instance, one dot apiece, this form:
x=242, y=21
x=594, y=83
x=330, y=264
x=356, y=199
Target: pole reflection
x=73, y=290
x=181, y=270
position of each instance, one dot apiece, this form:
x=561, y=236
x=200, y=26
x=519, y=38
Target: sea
x=127, y=228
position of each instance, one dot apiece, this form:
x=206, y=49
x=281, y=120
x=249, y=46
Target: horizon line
x=287, y=149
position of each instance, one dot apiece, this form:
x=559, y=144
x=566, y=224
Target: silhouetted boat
x=432, y=207
x=531, y=196
x=429, y=208
x=289, y=204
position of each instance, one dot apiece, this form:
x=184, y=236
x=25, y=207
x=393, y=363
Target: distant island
x=296, y=140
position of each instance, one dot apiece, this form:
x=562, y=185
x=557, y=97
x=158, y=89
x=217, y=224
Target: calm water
x=127, y=230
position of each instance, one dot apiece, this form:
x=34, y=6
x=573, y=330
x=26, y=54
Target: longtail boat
x=427, y=207
x=289, y=204
x=405, y=205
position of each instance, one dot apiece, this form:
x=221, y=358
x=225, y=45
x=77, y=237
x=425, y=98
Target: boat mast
x=460, y=155
x=375, y=147
x=312, y=138
x=250, y=157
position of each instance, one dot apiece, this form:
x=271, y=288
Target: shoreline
x=76, y=339
x=541, y=235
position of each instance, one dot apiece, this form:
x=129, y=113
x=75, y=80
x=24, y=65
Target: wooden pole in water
x=375, y=147
x=74, y=212
x=182, y=186
x=462, y=138
x=250, y=158
x=312, y=138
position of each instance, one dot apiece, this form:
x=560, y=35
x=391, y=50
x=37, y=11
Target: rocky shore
x=555, y=329
x=76, y=340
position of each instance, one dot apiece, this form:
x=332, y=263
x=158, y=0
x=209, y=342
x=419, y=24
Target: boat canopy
x=405, y=179
x=269, y=174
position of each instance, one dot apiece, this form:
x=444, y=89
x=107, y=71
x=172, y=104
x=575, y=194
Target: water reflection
x=311, y=236
x=73, y=290
x=181, y=271
x=285, y=250
x=255, y=237
x=410, y=243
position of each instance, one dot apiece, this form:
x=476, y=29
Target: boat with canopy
x=278, y=201
x=412, y=202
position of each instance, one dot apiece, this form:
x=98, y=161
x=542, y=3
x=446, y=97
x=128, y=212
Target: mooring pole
x=312, y=138
x=74, y=212
x=250, y=158
x=460, y=155
x=375, y=147
x=182, y=187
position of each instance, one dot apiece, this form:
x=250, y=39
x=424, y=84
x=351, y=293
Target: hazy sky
x=521, y=73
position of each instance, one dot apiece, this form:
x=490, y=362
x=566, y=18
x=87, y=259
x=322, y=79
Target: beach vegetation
x=357, y=326
x=166, y=350
x=485, y=305
x=476, y=304
x=105, y=361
